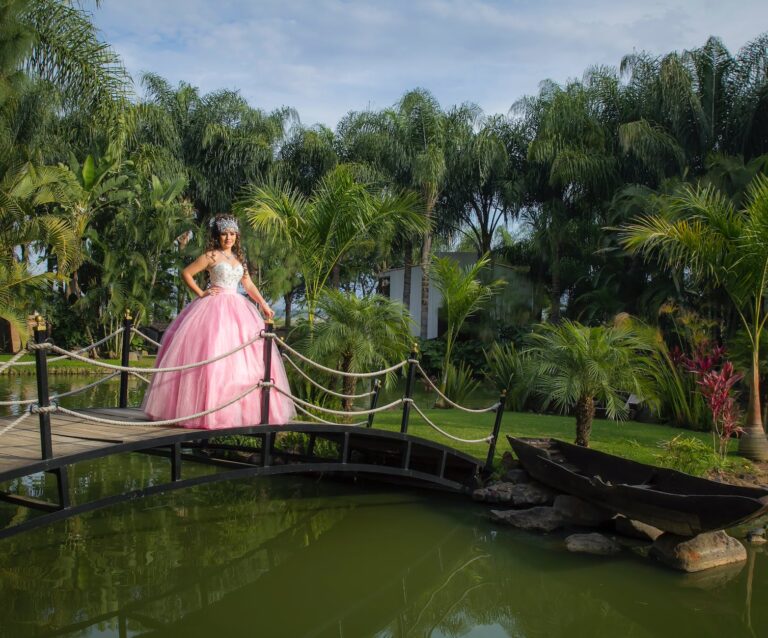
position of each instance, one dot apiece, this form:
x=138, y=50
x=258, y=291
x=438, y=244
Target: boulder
x=593, y=543
x=636, y=529
x=578, y=512
x=516, y=475
x=704, y=551
x=133, y=356
x=508, y=461
x=518, y=494
x=541, y=519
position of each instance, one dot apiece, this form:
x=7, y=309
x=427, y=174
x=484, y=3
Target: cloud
x=327, y=57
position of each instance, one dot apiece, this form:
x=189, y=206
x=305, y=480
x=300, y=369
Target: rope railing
x=146, y=338
x=306, y=404
x=12, y=361
x=356, y=375
x=110, y=366
x=14, y=423
x=490, y=408
x=31, y=347
x=61, y=395
x=486, y=439
x=322, y=420
x=322, y=387
x=159, y=423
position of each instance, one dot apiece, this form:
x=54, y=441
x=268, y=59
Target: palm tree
x=574, y=365
x=25, y=223
x=58, y=42
x=359, y=334
x=407, y=144
x=571, y=169
x=485, y=159
x=464, y=294
x=216, y=140
x=321, y=229
x=701, y=234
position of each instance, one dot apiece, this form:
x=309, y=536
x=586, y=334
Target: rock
x=704, y=551
x=636, y=529
x=542, y=519
x=516, y=475
x=593, y=543
x=578, y=512
x=133, y=356
x=508, y=461
x=518, y=494
x=756, y=536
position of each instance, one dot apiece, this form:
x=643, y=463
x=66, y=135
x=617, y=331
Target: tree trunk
x=288, y=299
x=426, y=255
x=752, y=443
x=407, y=269
x=585, y=412
x=556, y=292
x=336, y=277
x=349, y=383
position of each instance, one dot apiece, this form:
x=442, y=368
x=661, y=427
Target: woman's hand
x=208, y=292
x=268, y=313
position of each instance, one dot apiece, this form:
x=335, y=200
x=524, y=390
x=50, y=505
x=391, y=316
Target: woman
x=218, y=321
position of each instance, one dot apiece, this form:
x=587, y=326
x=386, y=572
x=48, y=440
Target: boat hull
x=669, y=500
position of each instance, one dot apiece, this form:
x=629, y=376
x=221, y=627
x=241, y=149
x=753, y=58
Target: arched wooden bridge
x=61, y=439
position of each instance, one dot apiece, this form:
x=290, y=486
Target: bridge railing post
x=410, y=378
x=43, y=397
x=496, y=430
x=269, y=328
x=374, y=401
x=125, y=359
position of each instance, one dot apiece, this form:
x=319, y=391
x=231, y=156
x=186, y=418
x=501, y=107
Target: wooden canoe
x=670, y=500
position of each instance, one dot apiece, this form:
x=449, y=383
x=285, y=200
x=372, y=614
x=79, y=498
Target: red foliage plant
x=717, y=389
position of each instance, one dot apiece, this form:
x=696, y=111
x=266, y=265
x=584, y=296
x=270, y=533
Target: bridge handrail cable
x=322, y=387
x=356, y=375
x=164, y=422
x=146, y=338
x=322, y=420
x=486, y=439
x=66, y=356
x=110, y=366
x=55, y=397
x=490, y=408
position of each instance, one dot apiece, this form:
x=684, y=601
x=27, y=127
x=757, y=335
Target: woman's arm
x=197, y=266
x=253, y=293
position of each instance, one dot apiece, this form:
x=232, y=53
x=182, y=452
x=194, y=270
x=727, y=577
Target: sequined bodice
x=225, y=275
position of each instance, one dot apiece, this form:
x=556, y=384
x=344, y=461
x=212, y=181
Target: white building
x=395, y=279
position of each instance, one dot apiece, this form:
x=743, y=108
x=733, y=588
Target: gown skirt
x=207, y=327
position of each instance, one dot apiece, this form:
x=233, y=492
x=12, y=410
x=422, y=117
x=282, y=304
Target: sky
x=327, y=57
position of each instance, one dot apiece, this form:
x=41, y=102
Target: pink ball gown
x=207, y=327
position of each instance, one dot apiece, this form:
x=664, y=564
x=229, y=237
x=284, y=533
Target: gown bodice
x=225, y=275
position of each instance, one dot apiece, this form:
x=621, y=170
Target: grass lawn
x=630, y=439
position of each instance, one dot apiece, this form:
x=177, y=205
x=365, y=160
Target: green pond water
x=294, y=556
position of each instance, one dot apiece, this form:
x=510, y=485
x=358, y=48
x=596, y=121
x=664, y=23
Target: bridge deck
x=71, y=437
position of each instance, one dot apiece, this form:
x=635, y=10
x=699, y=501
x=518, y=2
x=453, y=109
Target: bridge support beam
x=409, y=390
x=125, y=359
x=496, y=428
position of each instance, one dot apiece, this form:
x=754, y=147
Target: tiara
x=224, y=224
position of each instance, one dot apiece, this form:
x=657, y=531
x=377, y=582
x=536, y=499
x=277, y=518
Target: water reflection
x=296, y=557
x=292, y=557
